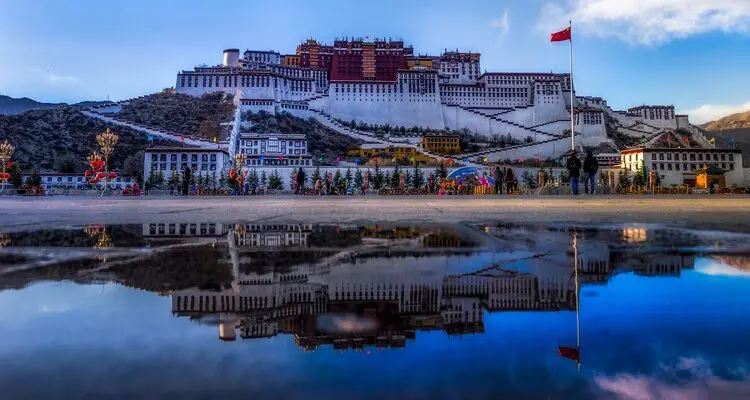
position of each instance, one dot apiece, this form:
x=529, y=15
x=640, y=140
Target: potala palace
x=382, y=82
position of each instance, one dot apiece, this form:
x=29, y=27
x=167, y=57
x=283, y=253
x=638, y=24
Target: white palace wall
x=407, y=109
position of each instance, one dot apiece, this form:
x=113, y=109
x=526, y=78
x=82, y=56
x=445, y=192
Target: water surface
x=372, y=312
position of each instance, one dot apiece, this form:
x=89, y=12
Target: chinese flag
x=561, y=36
x=569, y=352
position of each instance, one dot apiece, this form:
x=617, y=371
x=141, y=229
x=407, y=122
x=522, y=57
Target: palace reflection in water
x=295, y=303
x=354, y=287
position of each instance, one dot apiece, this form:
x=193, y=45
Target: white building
x=677, y=166
x=201, y=161
x=274, y=149
x=449, y=91
x=52, y=180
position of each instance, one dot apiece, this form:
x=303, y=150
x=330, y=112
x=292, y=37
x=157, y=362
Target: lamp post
x=107, y=142
x=239, y=161
x=6, y=152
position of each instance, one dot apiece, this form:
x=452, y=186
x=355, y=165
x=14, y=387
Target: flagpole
x=572, y=125
x=578, y=318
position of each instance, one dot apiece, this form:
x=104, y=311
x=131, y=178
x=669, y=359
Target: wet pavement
x=203, y=310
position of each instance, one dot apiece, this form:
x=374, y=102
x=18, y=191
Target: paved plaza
x=730, y=213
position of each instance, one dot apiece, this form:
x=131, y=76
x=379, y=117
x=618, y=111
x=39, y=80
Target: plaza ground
x=730, y=213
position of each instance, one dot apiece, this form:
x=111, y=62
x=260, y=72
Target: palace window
x=731, y=157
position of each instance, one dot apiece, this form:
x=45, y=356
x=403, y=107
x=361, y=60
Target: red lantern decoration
x=112, y=175
x=87, y=173
x=232, y=173
x=10, y=164
x=93, y=181
x=100, y=175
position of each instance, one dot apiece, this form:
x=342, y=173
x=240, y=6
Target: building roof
x=261, y=135
x=178, y=149
x=711, y=170
x=648, y=107
x=685, y=149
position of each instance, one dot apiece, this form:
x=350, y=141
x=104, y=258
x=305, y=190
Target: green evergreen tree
x=417, y=178
x=263, y=178
x=408, y=181
x=386, y=183
x=276, y=181
x=222, y=179
x=623, y=181
x=34, y=180
x=528, y=179
x=395, y=178
x=348, y=175
x=377, y=177
x=160, y=179
x=337, y=178
x=316, y=174
x=359, y=179
x=212, y=180
x=174, y=180
x=252, y=178
x=441, y=172
x=16, y=179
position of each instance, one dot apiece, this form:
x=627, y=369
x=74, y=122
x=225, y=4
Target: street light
x=239, y=160
x=6, y=152
x=107, y=142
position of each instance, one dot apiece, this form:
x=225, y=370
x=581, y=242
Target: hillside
x=321, y=140
x=10, y=105
x=734, y=137
x=43, y=137
x=188, y=115
x=734, y=121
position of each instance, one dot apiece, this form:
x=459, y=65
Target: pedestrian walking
x=590, y=167
x=574, y=169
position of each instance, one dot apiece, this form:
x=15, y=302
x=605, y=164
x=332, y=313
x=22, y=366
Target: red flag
x=561, y=36
x=569, y=352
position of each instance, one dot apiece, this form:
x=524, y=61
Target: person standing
x=499, y=178
x=301, y=181
x=590, y=167
x=186, y=181
x=510, y=180
x=574, y=169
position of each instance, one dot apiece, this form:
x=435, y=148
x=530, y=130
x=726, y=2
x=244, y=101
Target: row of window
x=262, y=151
x=693, y=167
x=183, y=157
x=173, y=166
x=685, y=157
x=282, y=143
x=693, y=156
x=80, y=179
x=275, y=162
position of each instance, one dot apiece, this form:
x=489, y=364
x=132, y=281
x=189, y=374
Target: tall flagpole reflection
x=574, y=353
x=578, y=303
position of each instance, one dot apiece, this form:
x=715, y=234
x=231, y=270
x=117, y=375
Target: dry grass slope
x=188, y=115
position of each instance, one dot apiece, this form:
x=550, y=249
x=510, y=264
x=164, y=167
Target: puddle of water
x=449, y=311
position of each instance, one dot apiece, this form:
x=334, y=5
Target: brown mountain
x=734, y=121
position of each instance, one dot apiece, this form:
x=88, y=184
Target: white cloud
x=712, y=112
x=702, y=383
x=53, y=78
x=502, y=25
x=647, y=22
x=62, y=79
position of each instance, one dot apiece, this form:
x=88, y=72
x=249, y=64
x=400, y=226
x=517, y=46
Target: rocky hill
x=734, y=121
x=192, y=116
x=10, y=105
x=46, y=138
x=321, y=141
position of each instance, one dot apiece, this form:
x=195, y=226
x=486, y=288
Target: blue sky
x=690, y=53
